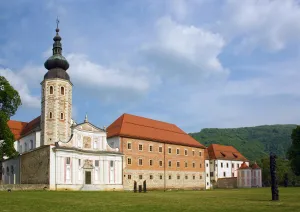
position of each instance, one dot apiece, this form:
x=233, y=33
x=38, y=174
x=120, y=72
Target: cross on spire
x=57, y=22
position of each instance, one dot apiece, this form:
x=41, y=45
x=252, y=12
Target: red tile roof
x=255, y=166
x=221, y=152
x=206, y=155
x=16, y=127
x=21, y=129
x=244, y=166
x=132, y=126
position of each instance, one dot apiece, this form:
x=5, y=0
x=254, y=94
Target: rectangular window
x=211, y=174
x=141, y=147
x=233, y=165
x=160, y=163
x=178, y=164
x=206, y=164
x=221, y=165
x=224, y=174
x=129, y=161
x=238, y=165
x=200, y=165
x=177, y=151
x=200, y=154
x=150, y=148
x=140, y=176
x=170, y=163
x=96, y=163
x=68, y=160
x=178, y=177
x=151, y=177
x=170, y=150
x=160, y=177
x=232, y=174
x=194, y=165
x=140, y=162
x=185, y=164
x=193, y=153
x=150, y=162
x=111, y=163
x=170, y=177
x=79, y=162
x=185, y=152
x=186, y=177
x=128, y=145
x=227, y=165
x=194, y=177
x=160, y=149
x=129, y=177
x=200, y=177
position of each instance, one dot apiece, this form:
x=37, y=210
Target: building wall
x=28, y=143
x=55, y=129
x=226, y=168
x=71, y=175
x=35, y=166
x=159, y=175
x=208, y=183
x=244, y=178
x=256, y=178
x=11, y=171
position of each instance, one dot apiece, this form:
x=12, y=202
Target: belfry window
x=50, y=115
x=61, y=116
x=51, y=89
x=62, y=90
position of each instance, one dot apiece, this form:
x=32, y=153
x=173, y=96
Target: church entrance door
x=88, y=177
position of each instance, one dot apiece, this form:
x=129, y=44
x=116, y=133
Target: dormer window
x=223, y=154
x=235, y=155
x=62, y=90
x=51, y=89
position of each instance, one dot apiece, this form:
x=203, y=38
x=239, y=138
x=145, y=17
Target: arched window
x=51, y=89
x=50, y=115
x=61, y=116
x=62, y=90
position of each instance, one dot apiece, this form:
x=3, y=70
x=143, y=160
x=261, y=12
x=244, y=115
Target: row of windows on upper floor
x=160, y=149
x=62, y=90
x=227, y=165
x=28, y=146
x=151, y=177
x=96, y=163
x=160, y=163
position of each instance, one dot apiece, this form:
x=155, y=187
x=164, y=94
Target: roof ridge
x=149, y=119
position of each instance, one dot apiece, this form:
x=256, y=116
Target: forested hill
x=253, y=142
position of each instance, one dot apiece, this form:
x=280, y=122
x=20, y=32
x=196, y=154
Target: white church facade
x=56, y=151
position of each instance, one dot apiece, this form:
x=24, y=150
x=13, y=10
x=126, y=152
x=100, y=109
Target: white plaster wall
x=100, y=137
x=35, y=137
x=11, y=177
x=207, y=174
x=78, y=172
x=219, y=172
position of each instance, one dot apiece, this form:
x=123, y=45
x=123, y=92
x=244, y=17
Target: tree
x=294, y=151
x=9, y=103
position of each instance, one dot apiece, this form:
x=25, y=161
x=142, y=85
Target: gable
x=86, y=126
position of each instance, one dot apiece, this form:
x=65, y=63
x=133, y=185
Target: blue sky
x=194, y=63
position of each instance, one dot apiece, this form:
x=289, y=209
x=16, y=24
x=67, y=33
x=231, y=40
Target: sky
x=195, y=63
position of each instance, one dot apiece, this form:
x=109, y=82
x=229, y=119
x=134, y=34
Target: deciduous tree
x=294, y=151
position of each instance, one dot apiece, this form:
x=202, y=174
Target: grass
x=256, y=199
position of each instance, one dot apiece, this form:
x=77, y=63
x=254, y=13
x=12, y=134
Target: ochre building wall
x=190, y=173
x=35, y=166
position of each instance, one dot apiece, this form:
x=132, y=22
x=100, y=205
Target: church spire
x=86, y=118
x=57, y=60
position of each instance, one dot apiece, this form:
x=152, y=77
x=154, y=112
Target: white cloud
x=185, y=50
x=270, y=24
x=21, y=86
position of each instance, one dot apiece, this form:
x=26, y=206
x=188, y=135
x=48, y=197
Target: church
x=56, y=151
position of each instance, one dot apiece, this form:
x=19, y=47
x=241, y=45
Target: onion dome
x=57, y=63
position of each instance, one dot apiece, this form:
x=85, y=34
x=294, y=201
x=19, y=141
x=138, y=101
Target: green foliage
x=9, y=103
x=9, y=98
x=254, y=143
x=294, y=151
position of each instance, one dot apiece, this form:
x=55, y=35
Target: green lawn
x=217, y=200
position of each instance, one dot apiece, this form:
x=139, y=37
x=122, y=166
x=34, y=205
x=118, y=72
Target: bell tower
x=56, y=99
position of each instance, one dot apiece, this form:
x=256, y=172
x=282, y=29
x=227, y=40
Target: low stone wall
x=19, y=187
x=227, y=182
